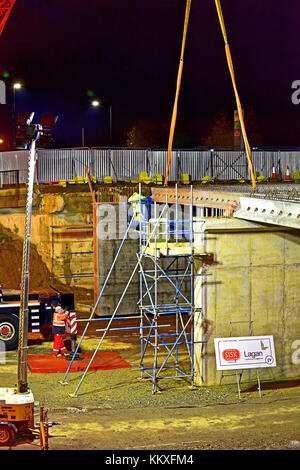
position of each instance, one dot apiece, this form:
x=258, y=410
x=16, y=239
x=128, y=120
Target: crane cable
x=238, y=103
x=179, y=75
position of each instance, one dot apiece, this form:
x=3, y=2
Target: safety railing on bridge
x=126, y=164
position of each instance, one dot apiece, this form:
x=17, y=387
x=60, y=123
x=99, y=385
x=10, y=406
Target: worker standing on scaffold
x=136, y=200
x=58, y=329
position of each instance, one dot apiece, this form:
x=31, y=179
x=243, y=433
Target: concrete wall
x=111, y=227
x=62, y=239
x=254, y=278
x=57, y=248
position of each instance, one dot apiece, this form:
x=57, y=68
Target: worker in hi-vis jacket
x=58, y=329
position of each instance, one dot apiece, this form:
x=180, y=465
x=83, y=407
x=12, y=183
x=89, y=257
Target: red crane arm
x=5, y=9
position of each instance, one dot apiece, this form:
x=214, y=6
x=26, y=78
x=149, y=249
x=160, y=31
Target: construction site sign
x=245, y=352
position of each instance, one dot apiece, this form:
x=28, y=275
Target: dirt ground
x=115, y=409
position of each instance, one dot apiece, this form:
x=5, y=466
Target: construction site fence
x=54, y=165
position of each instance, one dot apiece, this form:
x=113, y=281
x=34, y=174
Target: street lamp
x=110, y=119
x=15, y=86
x=96, y=103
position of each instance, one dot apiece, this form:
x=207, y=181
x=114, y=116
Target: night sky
x=127, y=52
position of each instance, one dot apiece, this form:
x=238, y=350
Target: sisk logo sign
x=231, y=354
x=244, y=352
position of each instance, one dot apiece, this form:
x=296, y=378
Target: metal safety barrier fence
x=54, y=165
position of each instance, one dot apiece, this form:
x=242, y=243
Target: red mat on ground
x=102, y=361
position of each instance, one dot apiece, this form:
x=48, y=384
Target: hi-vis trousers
x=59, y=345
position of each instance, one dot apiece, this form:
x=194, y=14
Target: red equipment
x=5, y=9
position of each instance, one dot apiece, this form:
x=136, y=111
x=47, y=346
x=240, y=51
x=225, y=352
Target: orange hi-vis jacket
x=59, y=318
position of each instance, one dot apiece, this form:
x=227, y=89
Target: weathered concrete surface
x=61, y=234
x=111, y=227
x=254, y=277
x=55, y=246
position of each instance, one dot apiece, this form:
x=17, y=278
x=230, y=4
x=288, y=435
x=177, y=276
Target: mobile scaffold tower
x=167, y=276
x=166, y=266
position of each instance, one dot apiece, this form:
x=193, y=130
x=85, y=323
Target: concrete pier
x=253, y=281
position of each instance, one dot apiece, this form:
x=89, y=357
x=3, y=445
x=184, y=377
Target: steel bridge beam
x=269, y=211
x=276, y=207
x=201, y=197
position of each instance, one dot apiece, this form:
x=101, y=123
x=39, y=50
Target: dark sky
x=127, y=53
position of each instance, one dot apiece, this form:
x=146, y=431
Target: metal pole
x=192, y=287
x=141, y=237
x=238, y=384
x=14, y=118
x=176, y=215
x=176, y=296
x=110, y=124
x=154, y=379
x=23, y=318
x=258, y=383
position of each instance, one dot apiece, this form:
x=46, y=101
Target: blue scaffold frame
x=183, y=310
x=169, y=345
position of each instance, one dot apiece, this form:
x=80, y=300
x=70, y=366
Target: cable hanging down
x=237, y=98
x=238, y=103
x=179, y=75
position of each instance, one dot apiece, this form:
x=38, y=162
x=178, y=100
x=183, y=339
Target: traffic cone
x=274, y=175
x=287, y=175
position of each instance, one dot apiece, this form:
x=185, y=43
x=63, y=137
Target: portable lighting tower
x=17, y=405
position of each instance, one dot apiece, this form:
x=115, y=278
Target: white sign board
x=245, y=352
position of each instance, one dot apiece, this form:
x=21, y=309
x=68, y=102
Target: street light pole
x=97, y=103
x=110, y=124
x=16, y=86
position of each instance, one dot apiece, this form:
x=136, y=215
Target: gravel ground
x=115, y=410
